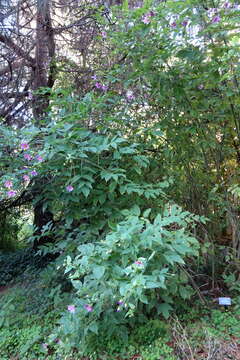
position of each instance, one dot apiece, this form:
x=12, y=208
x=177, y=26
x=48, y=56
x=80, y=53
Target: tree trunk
x=44, y=76
x=44, y=72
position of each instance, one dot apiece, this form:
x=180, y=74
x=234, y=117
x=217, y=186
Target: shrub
x=133, y=269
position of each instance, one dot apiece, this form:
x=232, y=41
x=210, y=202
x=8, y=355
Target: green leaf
x=85, y=190
x=93, y=327
x=112, y=186
x=184, y=292
x=164, y=309
x=114, y=174
x=135, y=210
x=146, y=213
x=98, y=271
x=143, y=298
x=173, y=258
x=153, y=285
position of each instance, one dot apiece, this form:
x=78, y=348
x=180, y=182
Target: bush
x=133, y=270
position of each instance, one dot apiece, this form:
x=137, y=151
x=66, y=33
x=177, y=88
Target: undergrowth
x=32, y=307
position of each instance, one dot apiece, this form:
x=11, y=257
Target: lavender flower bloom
x=24, y=146
x=146, y=19
x=138, y=263
x=104, y=87
x=26, y=178
x=120, y=302
x=151, y=13
x=11, y=193
x=212, y=11
x=88, y=308
x=227, y=5
x=173, y=24
x=27, y=157
x=69, y=188
x=121, y=305
x=45, y=346
x=200, y=87
x=184, y=23
x=34, y=173
x=71, y=309
x=98, y=85
x=39, y=158
x=8, y=184
x=216, y=19
x=129, y=95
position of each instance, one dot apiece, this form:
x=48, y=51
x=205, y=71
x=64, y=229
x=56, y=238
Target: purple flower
x=216, y=19
x=121, y=304
x=200, y=87
x=104, y=34
x=26, y=178
x=27, y=157
x=24, y=146
x=104, y=87
x=236, y=6
x=151, y=13
x=39, y=158
x=227, y=5
x=34, y=173
x=11, y=193
x=173, y=24
x=146, y=19
x=98, y=85
x=129, y=95
x=138, y=263
x=71, y=309
x=212, y=11
x=69, y=188
x=94, y=77
x=8, y=184
x=88, y=308
x=184, y=23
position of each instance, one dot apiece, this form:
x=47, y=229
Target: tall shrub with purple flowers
x=160, y=125
x=118, y=257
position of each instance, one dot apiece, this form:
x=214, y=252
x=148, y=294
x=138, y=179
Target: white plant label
x=224, y=301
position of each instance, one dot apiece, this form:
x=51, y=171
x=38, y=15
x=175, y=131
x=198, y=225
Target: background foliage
x=130, y=186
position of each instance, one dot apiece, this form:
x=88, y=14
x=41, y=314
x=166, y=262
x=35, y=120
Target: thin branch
x=81, y=22
x=11, y=66
x=7, y=41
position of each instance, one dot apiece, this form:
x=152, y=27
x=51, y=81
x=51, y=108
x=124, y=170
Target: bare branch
x=7, y=41
x=78, y=23
x=13, y=66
